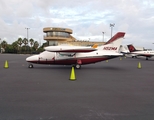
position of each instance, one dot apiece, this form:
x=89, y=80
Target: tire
x=30, y=66
x=77, y=66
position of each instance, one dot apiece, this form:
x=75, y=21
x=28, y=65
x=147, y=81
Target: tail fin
x=114, y=43
x=131, y=48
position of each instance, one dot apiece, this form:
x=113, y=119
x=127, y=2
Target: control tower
x=56, y=36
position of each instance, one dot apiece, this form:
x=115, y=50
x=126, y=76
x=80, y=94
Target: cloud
x=87, y=19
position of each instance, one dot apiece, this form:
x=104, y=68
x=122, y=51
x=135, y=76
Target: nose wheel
x=30, y=66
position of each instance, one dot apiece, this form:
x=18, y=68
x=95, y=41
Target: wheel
x=30, y=66
x=146, y=58
x=77, y=66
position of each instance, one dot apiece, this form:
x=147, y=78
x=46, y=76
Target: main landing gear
x=77, y=66
x=134, y=56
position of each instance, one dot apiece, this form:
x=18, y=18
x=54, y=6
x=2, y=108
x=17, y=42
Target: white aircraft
x=78, y=55
x=135, y=53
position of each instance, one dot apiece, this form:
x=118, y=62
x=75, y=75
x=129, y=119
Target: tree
x=25, y=41
x=36, y=44
x=15, y=46
x=20, y=41
x=4, y=44
x=44, y=44
x=31, y=42
x=9, y=49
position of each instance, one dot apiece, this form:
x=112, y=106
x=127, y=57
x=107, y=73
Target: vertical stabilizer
x=114, y=43
x=131, y=48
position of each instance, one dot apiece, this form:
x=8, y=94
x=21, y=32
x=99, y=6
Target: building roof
x=58, y=29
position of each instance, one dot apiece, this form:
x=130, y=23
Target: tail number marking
x=110, y=48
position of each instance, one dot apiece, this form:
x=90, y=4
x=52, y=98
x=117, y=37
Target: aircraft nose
x=32, y=58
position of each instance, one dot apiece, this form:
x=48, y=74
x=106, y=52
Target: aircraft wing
x=69, y=49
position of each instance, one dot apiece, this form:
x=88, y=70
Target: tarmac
x=110, y=90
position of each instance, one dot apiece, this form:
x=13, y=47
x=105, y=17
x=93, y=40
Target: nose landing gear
x=30, y=66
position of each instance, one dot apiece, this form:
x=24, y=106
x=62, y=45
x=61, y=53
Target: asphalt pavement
x=110, y=90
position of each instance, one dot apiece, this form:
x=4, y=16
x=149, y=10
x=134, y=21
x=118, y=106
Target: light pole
x=27, y=32
x=103, y=36
x=27, y=37
x=111, y=25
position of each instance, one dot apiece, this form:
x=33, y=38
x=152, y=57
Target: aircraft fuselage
x=63, y=59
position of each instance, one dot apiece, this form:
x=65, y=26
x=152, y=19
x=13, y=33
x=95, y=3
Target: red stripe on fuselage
x=74, y=61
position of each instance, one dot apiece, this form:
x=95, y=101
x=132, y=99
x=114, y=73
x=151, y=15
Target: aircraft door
x=61, y=56
x=47, y=57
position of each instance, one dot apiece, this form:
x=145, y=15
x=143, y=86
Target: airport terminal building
x=57, y=36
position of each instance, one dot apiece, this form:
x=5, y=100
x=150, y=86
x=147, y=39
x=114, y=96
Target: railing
x=56, y=36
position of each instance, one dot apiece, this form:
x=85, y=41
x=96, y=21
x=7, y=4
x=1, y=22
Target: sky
x=87, y=18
